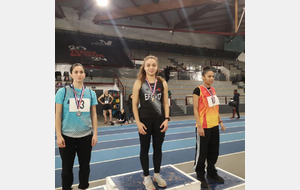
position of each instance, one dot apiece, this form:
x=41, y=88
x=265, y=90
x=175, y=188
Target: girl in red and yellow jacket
x=206, y=112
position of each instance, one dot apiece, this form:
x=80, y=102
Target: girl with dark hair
x=206, y=112
x=152, y=118
x=76, y=127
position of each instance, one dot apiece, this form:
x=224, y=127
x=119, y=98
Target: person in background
x=76, y=127
x=152, y=118
x=183, y=67
x=106, y=100
x=169, y=97
x=129, y=104
x=122, y=118
x=206, y=112
x=167, y=73
x=236, y=97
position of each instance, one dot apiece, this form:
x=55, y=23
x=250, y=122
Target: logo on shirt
x=149, y=96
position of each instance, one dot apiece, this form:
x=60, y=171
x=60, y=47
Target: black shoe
x=203, y=182
x=216, y=178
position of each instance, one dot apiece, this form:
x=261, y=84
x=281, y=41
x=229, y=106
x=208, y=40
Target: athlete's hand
x=141, y=128
x=60, y=142
x=222, y=126
x=201, y=131
x=94, y=139
x=165, y=124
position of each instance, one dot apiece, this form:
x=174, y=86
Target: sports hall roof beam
x=150, y=8
x=193, y=17
x=165, y=20
x=88, y=4
x=80, y=7
x=236, y=3
x=59, y=13
x=220, y=26
x=209, y=24
x=148, y=20
x=116, y=5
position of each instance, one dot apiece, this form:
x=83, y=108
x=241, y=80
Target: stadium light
x=102, y=3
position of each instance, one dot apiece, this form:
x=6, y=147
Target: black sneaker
x=216, y=178
x=203, y=182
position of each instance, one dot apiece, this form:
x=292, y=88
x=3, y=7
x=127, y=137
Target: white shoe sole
x=158, y=184
x=146, y=187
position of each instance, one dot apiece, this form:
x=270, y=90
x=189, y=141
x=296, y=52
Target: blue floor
x=117, y=150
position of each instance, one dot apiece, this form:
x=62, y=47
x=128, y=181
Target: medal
x=78, y=102
x=212, y=97
x=152, y=90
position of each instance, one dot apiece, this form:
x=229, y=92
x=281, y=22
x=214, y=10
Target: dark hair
x=205, y=70
x=235, y=90
x=74, y=65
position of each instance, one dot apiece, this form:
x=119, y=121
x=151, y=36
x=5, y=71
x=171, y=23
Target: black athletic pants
x=207, y=148
x=236, y=110
x=82, y=146
x=153, y=130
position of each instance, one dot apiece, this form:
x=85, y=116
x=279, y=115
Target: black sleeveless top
x=105, y=99
x=151, y=108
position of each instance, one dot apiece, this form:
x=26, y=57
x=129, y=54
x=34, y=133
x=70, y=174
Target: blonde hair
x=142, y=74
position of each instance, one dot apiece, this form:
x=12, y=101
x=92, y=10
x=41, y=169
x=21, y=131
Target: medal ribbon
x=212, y=96
x=81, y=96
x=153, y=91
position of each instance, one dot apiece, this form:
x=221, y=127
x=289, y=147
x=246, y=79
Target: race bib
x=106, y=101
x=84, y=106
x=213, y=100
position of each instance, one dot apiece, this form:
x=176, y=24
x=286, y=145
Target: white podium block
x=102, y=187
x=175, y=179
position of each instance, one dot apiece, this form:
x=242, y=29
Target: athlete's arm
x=112, y=99
x=60, y=140
x=196, y=115
x=166, y=108
x=135, y=102
x=221, y=123
x=165, y=100
x=99, y=99
x=94, y=124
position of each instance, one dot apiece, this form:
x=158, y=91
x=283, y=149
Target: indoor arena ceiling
x=199, y=16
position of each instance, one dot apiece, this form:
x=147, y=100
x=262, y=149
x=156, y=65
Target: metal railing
x=119, y=84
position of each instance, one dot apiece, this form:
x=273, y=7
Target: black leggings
x=236, y=110
x=207, y=148
x=153, y=129
x=82, y=146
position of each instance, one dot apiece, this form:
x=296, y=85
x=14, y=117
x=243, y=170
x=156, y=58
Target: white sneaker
x=134, y=121
x=160, y=181
x=148, y=183
x=129, y=121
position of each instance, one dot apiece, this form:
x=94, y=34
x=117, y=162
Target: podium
x=175, y=179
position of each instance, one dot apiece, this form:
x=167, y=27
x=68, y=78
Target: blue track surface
x=117, y=150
